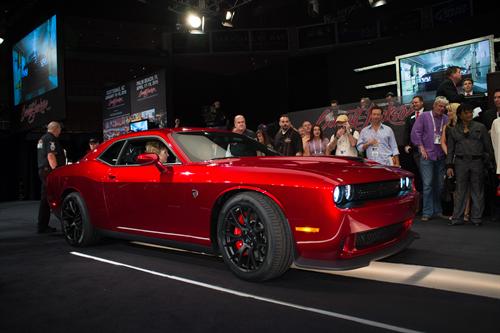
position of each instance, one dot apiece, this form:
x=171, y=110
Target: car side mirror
x=151, y=158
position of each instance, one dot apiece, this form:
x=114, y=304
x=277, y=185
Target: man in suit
x=448, y=88
x=468, y=88
x=410, y=157
x=487, y=117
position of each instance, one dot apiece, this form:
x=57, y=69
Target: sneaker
x=46, y=230
x=442, y=216
x=425, y=218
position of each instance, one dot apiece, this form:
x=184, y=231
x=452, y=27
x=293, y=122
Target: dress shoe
x=46, y=230
x=425, y=218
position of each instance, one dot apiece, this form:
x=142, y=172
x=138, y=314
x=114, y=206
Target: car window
x=110, y=155
x=204, y=146
x=135, y=147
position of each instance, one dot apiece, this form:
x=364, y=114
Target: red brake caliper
x=237, y=231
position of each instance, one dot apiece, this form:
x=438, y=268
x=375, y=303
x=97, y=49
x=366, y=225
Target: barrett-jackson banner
x=394, y=116
x=116, y=102
x=148, y=93
x=41, y=110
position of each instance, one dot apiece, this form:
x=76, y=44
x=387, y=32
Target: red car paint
x=181, y=204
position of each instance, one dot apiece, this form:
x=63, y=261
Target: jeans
x=432, y=173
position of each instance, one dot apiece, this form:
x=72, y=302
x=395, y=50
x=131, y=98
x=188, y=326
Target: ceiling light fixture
x=195, y=23
x=228, y=19
x=377, y=3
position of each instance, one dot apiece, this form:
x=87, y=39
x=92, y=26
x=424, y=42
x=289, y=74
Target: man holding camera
x=344, y=140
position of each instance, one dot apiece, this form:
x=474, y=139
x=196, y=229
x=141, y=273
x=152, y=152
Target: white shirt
x=344, y=147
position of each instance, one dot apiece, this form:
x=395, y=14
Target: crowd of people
x=448, y=145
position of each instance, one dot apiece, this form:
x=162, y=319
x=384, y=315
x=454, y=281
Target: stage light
x=228, y=19
x=1, y=40
x=194, y=21
x=377, y=3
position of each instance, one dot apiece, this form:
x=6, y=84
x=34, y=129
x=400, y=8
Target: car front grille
x=376, y=190
x=378, y=236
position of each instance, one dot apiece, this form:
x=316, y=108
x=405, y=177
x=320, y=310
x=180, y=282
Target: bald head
x=54, y=127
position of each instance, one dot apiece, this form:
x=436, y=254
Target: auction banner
x=116, y=102
x=148, y=93
x=359, y=117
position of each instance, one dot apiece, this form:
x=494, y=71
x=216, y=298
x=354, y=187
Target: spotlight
x=377, y=3
x=228, y=19
x=1, y=40
x=195, y=23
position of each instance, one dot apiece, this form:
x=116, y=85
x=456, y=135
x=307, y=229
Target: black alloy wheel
x=254, y=237
x=72, y=221
x=76, y=225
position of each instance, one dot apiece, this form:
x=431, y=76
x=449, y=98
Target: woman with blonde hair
x=159, y=149
x=452, y=122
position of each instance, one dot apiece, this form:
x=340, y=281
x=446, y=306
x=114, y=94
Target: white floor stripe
x=259, y=298
x=465, y=282
x=480, y=284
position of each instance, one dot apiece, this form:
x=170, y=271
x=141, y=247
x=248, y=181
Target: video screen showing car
x=34, y=60
x=138, y=126
x=421, y=73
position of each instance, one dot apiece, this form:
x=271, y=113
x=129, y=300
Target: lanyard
x=320, y=147
x=434, y=123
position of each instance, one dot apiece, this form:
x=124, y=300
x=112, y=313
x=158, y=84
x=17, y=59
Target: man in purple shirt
x=426, y=135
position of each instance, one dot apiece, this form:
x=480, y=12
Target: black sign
x=349, y=32
x=401, y=24
x=148, y=95
x=190, y=43
x=318, y=35
x=116, y=102
x=41, y=110
x=230, y=41
x=451, y=12
x=270, y=40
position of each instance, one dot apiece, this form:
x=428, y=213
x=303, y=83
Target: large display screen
x=34, y=61
x=422, y=72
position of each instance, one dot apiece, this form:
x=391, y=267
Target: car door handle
x=111, y=176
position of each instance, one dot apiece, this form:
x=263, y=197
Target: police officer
x=469, y=147
x=50, y=156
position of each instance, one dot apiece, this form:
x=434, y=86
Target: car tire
x=75, y=222
x=254, y=237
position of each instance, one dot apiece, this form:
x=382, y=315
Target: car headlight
x=337, y=195
x=405, y=183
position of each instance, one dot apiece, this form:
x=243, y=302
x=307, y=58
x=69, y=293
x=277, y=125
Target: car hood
x=340, y=169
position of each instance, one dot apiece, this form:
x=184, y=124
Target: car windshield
x=205, y=146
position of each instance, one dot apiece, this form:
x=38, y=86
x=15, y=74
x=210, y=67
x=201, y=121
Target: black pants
x=470, y=178
x=44, y=209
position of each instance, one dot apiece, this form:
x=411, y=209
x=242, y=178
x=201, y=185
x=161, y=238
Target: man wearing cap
x=93, y=143
x=50, y=156
x=344, y=140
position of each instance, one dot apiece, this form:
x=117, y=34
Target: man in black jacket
x=448, y=88
x=487, y=117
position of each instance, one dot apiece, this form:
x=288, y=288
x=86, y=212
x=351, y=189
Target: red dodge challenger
x=224, y=193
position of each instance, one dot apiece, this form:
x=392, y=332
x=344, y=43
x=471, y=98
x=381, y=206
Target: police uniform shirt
x=48, y=143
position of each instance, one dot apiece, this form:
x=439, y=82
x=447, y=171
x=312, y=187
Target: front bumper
x=359, y=261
